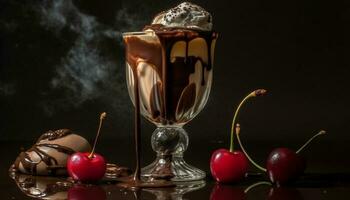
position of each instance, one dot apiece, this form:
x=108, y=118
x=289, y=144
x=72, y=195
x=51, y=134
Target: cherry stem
x=238, y=130
x=102, y=117
x=234, y=121
x=322, y=132
x=255, y=185
x=258, y=92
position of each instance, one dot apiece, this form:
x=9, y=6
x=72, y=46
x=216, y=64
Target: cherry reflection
x=228, y=192
x=86, y=192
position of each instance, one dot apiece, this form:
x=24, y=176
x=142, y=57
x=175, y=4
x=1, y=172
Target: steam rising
x=87, y=72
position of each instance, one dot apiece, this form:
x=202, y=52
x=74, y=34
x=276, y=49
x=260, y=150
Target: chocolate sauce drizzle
x=52, y=164
x=173, y=95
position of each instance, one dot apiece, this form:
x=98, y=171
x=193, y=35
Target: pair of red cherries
x=283, y=164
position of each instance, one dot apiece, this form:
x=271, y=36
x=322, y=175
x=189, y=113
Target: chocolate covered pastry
x=48, y=156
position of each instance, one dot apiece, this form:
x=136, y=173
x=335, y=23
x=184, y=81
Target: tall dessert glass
x=169, y=77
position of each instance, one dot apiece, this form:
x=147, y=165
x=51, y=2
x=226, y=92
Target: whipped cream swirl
x=185, y=15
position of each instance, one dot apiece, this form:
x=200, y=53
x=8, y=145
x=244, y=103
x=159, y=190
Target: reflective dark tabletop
x=62, y=63
x=320, y=185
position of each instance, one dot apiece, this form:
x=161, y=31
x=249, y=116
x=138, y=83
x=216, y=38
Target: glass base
x=170, y=143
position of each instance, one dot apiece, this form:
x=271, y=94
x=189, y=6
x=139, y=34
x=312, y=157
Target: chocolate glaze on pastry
x=48, y=156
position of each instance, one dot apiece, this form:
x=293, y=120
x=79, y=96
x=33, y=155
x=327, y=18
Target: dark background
x=62, y=64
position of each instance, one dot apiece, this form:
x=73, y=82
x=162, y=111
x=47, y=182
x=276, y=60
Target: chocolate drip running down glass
x=169, y=76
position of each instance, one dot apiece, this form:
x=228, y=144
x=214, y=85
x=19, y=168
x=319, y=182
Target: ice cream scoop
x=48, y=156
x=185, y=15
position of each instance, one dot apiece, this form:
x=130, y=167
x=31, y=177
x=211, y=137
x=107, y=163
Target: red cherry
x=223, y=192
x=88, y=166
x=91, y=192
x=83, y=168
x=283, y=165
x=227, y=167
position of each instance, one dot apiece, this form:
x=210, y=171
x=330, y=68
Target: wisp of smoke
x=85, y=72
